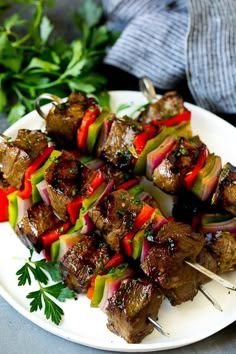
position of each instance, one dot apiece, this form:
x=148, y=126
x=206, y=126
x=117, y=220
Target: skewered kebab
x=183, y=164
x=58, y=176
x=64, y=203
x=133, y=144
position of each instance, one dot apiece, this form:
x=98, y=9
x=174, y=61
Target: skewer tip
x=158, y=327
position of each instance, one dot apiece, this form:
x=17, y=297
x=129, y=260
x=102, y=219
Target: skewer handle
x=45, y=96
x=211, y=275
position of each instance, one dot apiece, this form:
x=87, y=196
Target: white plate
x=187, y=323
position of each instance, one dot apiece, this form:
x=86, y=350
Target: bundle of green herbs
x=35, y=59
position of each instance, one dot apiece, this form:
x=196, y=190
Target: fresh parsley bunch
x=33, y=59
x=43, y=272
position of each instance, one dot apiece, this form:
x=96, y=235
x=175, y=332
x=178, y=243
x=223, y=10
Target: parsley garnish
x=34, y=59
x=43, y=272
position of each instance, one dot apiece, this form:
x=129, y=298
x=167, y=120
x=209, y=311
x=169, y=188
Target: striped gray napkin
x=169, y=41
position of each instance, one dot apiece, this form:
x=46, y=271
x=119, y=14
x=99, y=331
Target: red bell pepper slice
x=140, y=139
x=95, y=183
x=4, y=202
x=52, y=236
x=73, y=207
x=115, y=261
x=144, y=215
x=191, y=176
x=127, y=185
x=82, y=133
x=34, y=166
x=179, y=118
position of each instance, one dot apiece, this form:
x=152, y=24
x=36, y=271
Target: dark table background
x=17, y=334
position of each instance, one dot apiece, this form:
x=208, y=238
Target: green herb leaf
x=23, y=275
x=46, y=28
x=17, y=111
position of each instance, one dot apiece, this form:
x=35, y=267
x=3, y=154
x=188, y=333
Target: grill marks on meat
x=119, y=141
x=37, y=220
x=64, y=119
x=66, y=177
x=170, y=105
x=129, y=308
x=174, y=243
x=223, y=245
x=64, y=180
x=193, y=279
x=16, y=156
x=169, y=175
x=225, y=194
x=83, y=261
x=114, y=216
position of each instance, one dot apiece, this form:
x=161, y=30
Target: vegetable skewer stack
x=66, y=198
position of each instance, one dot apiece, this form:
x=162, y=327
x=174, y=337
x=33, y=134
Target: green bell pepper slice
x=38, y=175
x=137, y=244
x=152, y=144
x=86, y=204
x=12, y=208
x=136, y=190
x=95, y=128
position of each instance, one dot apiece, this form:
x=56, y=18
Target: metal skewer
x=210, y=298
x=211, y=275
x=158, y=327
x=45, y=96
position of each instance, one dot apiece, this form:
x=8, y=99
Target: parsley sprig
x=34, y=59
x=43, y=272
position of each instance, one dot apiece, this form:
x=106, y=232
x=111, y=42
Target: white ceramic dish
x=187, y=323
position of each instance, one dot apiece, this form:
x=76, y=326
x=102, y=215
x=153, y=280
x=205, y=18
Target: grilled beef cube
x=64, y=119
x=63, y=179
x=130, y=306
x=174, y=243
x=37, y=220
x=223, y=248
x=82, y=261
x=115, y=174
x=116, y=149
x=16, y=156
x=114, y=216
x=225, y=194
x=192, y=279
x=66, y=177
x=170, y=105
x=169, y=175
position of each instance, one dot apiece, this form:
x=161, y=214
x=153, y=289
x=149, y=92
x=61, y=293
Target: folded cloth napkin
x=169, y=41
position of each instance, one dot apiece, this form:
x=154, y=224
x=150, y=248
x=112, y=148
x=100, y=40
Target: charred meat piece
x=129, y=308
x=170, y=105
x=64, y=119
x=192, y=279
x=114, y=216
x=66, y=177
x=37, y=220
x=63, y=179
x=115, y=174
x=169, y=175
x=120, y=140
x=16, y=156
x=83, y=261
x=222, y=245
x=174, y=243
x=225, y=194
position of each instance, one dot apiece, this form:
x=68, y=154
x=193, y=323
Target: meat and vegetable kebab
x=125, y=223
